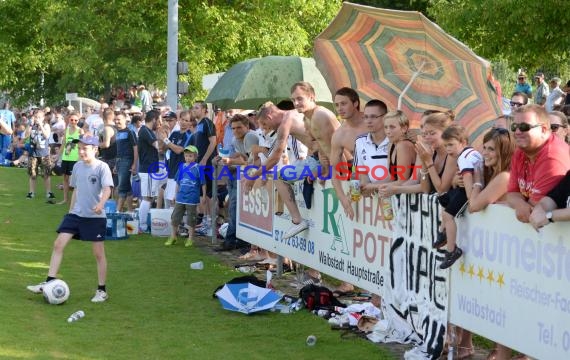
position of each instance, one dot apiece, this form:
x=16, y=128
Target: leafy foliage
x=86, y=46
x=414, y=5
x=531, y=34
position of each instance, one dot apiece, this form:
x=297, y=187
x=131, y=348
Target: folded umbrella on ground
x=247, y=298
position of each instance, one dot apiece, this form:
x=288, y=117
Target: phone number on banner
x=296, y=242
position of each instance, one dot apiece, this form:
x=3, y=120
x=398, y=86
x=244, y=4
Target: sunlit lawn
x=158, y=307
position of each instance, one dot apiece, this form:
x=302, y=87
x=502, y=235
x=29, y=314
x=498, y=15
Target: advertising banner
x=512, y=284
x=391, y=258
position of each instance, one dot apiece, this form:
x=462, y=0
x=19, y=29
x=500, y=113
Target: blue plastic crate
x=117, y=226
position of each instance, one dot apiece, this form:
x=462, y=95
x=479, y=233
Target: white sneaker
x=100, y=296
x=36, y=289
x=295, y=229
x=204, y=231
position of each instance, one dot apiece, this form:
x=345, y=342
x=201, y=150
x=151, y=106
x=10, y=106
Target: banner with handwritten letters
x=418, y=287
x=393, y=259
x=512, y=284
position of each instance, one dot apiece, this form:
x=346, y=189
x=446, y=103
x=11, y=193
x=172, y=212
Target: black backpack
x=319, y=297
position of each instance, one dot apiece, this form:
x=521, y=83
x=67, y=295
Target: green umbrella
x=250, y=83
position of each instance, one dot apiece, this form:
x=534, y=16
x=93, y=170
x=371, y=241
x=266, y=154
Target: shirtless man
x=313, y=125
x=320, y=124
x=347, y=104
x=285, y=123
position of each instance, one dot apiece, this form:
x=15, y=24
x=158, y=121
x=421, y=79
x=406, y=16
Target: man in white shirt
x=556, y=96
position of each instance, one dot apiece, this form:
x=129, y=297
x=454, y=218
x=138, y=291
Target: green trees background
x=50, y=47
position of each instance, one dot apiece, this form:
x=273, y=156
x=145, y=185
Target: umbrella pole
x=414, y=76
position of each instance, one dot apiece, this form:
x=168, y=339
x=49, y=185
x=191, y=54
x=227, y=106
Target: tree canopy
x=50, y=47
x=84, y=46
x=528, y=34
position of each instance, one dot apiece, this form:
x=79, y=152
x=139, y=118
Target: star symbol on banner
x=490, y=276
x=481, y=274
x=462, y=268
x=471, y=271
x=501, y=280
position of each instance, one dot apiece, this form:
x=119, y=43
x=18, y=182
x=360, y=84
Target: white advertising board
x=512, y=284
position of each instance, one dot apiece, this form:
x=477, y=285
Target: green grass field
x=158, y=307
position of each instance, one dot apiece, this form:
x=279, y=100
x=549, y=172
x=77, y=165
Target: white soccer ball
x=224, y=229
x=56, y=292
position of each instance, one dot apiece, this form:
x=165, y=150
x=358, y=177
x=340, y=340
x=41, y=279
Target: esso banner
x=255, y=209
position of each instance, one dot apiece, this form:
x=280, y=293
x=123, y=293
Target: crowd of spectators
x=524, y=161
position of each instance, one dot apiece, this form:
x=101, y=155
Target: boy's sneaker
x=204, y=225
x=30, y=195
x=100, y=296
x=170, y=241
x=36, y=289
x=188, y=242
x=50, y=195
x=204, y=231
x=450, y=258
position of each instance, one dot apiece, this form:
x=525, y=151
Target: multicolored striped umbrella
x=407, y=61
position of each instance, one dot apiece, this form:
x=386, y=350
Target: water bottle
x=387, y=210
x=76, y=316
x=355, y=194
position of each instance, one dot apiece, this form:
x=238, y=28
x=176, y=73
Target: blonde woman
x=401, y=153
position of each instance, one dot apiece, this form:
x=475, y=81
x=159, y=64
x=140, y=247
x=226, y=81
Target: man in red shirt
x=539, y=163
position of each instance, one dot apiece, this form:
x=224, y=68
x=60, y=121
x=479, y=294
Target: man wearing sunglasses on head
x=539, y=162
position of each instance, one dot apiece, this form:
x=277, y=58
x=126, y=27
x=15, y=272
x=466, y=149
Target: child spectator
x=187, y=195
x=468, y=159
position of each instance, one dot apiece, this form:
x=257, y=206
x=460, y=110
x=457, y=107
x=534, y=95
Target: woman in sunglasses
x=559, y=125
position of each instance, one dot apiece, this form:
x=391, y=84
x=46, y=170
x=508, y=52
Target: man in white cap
x=542, y=91
x=556, y=96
